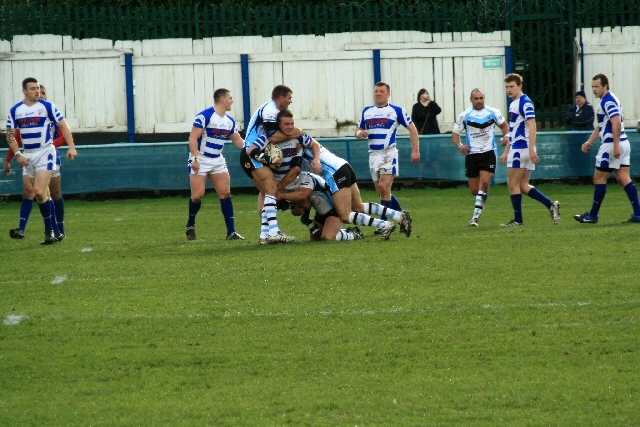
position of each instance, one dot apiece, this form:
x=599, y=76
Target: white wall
x=616, y=53
x=331, y=75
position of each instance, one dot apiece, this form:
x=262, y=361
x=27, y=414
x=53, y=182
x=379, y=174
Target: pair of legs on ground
x=623, y=176
x=519, y=184
x=54, y=194
x=222, y=184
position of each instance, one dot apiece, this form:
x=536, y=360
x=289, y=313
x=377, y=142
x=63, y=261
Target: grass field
x=125, y=323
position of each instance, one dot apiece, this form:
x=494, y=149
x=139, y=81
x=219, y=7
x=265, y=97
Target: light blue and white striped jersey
x=268, y=112
x=216, y=132
x=35, y=123
x=520, y=111
x=382, y=124
x=320, y=197
x=609, y=107
x=480, y=127
x=330, y=162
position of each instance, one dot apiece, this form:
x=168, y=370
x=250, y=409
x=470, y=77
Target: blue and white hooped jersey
x=382, y=124
x=609, y=107
x=268, y=112
x=35, y=123
x=320, y=197
x=480, y=128
x=216, y=132
x=520, y=111
x=330, y=162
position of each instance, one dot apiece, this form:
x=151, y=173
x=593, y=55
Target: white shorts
x=209, y=166
x=41, y=159
x=58, y=172
x=606, y=160
x=518, y=158
x=383, y=162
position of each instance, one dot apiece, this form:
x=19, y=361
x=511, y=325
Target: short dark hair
x=219, y=94
x=474, y=91
x=513, y=77
x=604, y=80
x=420, y=92
x=380, y=84
x=285, y=113
x=280, y=90
x=28, y=80
x=42, y=87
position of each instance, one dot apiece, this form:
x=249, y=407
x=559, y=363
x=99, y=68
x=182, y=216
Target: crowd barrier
x=163, y=166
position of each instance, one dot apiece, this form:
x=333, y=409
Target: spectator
x=424, y=114
x=580, y=116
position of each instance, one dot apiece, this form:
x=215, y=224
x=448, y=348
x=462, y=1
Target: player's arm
x=594, y=135
x=14, y=148
x=415, y=143
x=293, y=173
x=533, y=154
x=66, y=131
x=194, y=136
x=237, y=140
x=316, y=166
x=616, y=130
x=297, y=196
x=504, y=127
x=279, y=137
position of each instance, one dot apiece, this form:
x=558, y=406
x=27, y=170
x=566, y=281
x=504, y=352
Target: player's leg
x=332, y=230
x=270, y=230
x=41, y=187
x=55, y=192
x=26, y=206
x=600, y=177
x=481, y=187
x=623, y=175
x=198, y=184
x=515, y=177
x=222, y=183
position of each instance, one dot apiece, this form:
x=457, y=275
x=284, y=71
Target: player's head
x=382, y=92
x=513, y=85
x=600, y=85
x=43, y=92
x=477, y=98
x=423, y=95
x=282, y=95
x=286, y=121
x=31, y=89
x=222, y=97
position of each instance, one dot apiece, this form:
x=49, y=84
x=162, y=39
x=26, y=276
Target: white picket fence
x=331, y=75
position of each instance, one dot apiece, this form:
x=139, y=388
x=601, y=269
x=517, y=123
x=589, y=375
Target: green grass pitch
x=126, y=323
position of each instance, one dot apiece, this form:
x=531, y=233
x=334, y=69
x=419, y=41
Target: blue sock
x=54, y=223
x=227, y=210
x=599, y=192
x=45, y=210
x=395, y=204
x=59, y=204
x=193, y=211
x=632, y=194
x=516, y=202
x=386, y=203
x=536, y=195
x=25, y=211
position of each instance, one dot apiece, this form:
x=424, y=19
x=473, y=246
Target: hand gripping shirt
x=609, y=107
x=520, y=111
x=35, y=123
x=216, y=132
x=480, y=128
x=382, y=125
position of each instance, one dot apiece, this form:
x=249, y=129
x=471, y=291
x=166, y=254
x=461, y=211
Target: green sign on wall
x=492, y=62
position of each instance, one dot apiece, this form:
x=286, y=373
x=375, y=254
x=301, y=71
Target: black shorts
x=474, y=163
x=345, y=176
x=246, y=163
x=320, y=219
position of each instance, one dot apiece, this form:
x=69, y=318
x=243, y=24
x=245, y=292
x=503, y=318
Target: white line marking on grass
x=86, y=250
x=119, y=219
x=14, y=319
x=58, y=280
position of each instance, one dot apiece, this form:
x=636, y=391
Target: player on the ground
x=379, y=124
x=311, y=191
x=211, y=129
x=55, y=186
x=34, y=117
x=479, y=122
x=520, y=156
x=614, y=154
x=255, y=162
x=343, y=184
